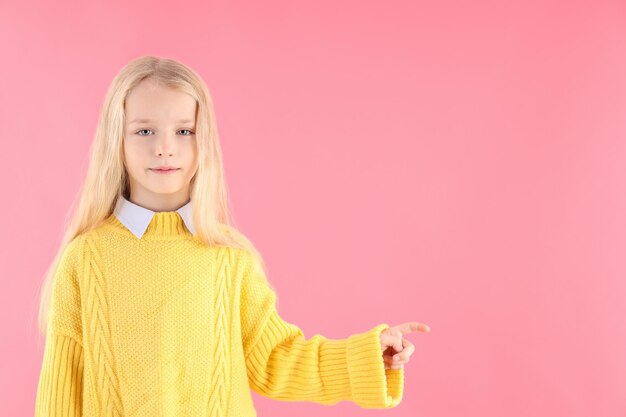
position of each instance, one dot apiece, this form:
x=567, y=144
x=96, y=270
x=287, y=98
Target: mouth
x=164, y=171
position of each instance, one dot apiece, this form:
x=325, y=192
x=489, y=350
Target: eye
x=149, y=130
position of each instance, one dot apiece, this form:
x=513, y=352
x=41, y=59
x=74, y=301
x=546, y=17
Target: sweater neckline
x=164, y=224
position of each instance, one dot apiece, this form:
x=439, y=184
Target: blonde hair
x=107, y=179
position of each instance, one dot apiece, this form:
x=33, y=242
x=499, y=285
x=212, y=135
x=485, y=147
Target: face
x=159, y=131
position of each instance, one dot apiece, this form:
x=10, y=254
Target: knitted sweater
x=167, y=326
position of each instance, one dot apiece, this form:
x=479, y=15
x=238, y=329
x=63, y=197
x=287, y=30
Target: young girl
x=156, y=306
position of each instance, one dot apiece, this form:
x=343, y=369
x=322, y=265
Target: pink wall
x=459, y=164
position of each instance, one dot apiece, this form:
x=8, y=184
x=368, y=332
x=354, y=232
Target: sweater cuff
x=372, y=385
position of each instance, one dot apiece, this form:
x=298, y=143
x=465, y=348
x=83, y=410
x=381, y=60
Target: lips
x=164, y=171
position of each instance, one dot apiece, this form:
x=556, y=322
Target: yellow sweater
x=166, y=326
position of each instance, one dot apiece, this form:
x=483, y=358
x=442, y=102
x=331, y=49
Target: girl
x=156, y=306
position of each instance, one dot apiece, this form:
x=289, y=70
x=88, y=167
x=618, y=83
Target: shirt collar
x=136, y=218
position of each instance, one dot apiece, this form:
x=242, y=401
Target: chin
x=164, y=190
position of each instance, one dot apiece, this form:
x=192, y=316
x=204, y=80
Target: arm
x=59, y=391
x=282, y=364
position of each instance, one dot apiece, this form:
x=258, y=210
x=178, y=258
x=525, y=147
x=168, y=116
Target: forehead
x=151, y=102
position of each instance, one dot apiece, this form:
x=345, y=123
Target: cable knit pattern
x=98, y=334
x=166, y=326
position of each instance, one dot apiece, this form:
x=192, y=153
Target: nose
x=163, y=146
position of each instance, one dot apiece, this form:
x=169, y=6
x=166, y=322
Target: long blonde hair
x=107, y=179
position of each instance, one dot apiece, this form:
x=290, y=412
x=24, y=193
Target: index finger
x=413, y=326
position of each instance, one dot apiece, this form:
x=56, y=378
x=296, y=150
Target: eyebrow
x=150, y=120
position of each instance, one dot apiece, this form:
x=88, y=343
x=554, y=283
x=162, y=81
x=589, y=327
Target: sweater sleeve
x=283, y=364
x=59, y=391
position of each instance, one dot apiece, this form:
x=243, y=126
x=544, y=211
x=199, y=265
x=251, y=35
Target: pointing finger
x=413, y=326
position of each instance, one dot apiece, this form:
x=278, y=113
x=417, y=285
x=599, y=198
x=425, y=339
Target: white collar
x=137, y=218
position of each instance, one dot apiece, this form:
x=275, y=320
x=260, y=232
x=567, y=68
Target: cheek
x=192, y=153
x=132, y=158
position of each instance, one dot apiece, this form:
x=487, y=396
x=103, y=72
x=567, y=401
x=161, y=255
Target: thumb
x=397, y=340
x=397, y=346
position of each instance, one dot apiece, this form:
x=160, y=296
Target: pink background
x=459, y=164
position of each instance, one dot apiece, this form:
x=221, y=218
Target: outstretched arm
x=283, y=364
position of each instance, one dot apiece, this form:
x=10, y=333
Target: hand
x=395, y=346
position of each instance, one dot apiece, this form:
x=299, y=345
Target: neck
x=158, y=203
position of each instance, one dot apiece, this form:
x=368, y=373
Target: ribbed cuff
x=60, y=387
x=373, y=386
